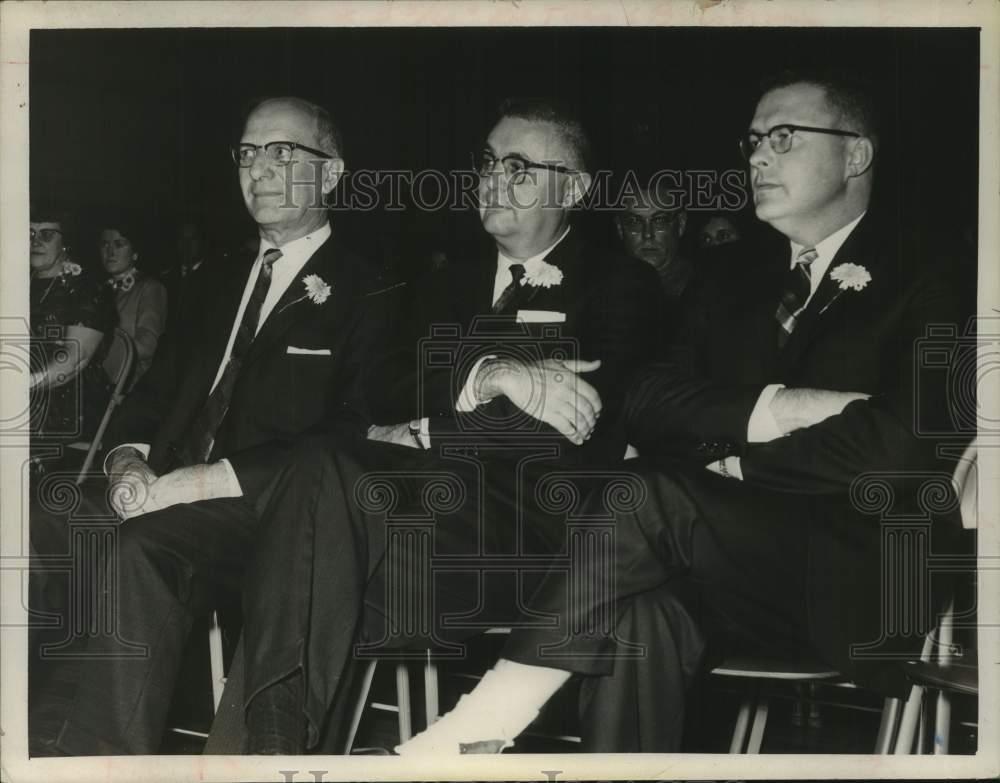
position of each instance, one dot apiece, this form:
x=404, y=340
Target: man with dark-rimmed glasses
x=285, y=347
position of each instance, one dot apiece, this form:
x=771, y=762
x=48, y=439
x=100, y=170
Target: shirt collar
x=827, y=248
x=298, y=250
x=504, y=263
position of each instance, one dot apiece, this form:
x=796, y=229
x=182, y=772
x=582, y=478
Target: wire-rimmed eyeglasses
x=780, y=138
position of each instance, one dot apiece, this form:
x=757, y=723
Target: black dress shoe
x=276, y=722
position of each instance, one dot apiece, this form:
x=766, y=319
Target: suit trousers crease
x=169, y=566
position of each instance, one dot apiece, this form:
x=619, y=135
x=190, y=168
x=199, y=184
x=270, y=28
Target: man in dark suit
x=286, y=348
x=494, y=404
x=794, y=377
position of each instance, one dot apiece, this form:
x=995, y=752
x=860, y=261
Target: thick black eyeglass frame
x=236, y=148
x=748, y=148
x=479, y=161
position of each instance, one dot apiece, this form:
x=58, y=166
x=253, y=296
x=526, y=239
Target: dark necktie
x=508, y=294
x=794, y=295
x=200, y=438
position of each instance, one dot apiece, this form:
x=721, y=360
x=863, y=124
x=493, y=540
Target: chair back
x=123, y=347
x=965, y=480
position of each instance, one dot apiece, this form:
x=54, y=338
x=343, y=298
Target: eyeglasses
x=278, y=152
x=515, y=167
x=45, y=234
x=659, y=224
x=780, y=138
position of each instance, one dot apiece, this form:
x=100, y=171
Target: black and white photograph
x=609, y=389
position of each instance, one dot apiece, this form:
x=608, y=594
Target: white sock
x=500, y=707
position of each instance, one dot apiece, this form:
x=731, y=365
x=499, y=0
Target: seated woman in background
x=72, y=320
x=141, y=300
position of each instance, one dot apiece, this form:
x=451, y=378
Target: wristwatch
x=415, y=433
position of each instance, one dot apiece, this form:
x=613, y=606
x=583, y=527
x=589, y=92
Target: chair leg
x=887, y=726
x=431, y=705
x=216, y=662
x=366, y=686
x=403, y=700
x=908, y=724
x=759, y=724
x=942, y=724
x=743, y=719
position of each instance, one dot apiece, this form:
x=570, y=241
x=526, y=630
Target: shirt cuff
x=729, y=467
x=233, y=488
x=762, y=427
x=467, y=401
x=142, y=448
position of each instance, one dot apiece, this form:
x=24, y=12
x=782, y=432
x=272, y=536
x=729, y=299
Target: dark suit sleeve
x=887, y=433
x=149, y=400
x=351, y=402
x=673, y=403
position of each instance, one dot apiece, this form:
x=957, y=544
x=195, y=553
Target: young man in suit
x=794, y=377
x=494, y=405
x=287, y=347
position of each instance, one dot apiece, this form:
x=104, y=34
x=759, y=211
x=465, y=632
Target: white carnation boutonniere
x=71, y=269
x=545, y=275
x=850, y=276
x=317, y=291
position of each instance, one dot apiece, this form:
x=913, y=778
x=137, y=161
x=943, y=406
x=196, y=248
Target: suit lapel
x=830, y=298
x=294, y=304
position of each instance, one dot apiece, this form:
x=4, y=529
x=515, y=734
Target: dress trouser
x=341, y=540
x=699, y=546
x=163, y=570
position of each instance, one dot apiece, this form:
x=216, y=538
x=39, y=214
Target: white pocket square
x=308, y=351
x=541, y=317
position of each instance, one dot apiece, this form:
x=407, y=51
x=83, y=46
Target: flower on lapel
x=545, y=275
x=71, y=268
x=317, y=289
x=850, y=276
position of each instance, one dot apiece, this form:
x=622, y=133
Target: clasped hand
x=137, y=490
x=550, y=390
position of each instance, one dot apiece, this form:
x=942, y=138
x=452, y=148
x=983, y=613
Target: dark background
x=142, y=119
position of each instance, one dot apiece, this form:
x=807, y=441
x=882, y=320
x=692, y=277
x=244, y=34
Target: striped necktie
x=201, y=436
x=794, y=295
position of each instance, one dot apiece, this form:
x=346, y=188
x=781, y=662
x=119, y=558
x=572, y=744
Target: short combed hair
x=850, y=95
x=52, y=212
x=328, y=135
x=557, y=114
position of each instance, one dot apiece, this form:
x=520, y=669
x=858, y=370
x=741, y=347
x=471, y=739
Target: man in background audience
x=650, y=226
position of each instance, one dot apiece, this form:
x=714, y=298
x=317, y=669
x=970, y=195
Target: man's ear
x=333, y=170
x=860, y=156
x=576, y=188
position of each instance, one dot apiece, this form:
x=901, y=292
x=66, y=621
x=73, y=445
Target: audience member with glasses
x=651, y=226
x=72, y=318
x=141, y=300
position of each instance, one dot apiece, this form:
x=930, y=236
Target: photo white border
x=17, y=18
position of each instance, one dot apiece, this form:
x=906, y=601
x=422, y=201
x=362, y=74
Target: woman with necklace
x=141, y=300
x=72, y=320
